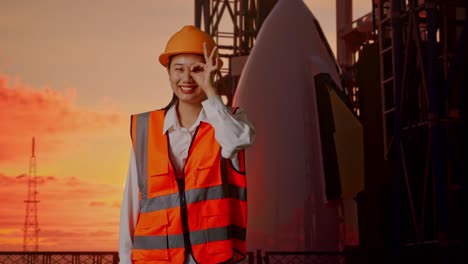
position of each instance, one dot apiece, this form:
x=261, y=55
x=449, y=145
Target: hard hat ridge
x=188, y=40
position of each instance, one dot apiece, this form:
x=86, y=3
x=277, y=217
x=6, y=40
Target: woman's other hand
x=203, y=73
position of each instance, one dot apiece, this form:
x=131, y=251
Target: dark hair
x=169, y=60
x=172, y=102
x=174, y=97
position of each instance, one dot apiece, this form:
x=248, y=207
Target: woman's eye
x=197, y=69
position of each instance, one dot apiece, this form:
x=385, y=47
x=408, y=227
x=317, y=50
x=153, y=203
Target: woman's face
x=182, y=84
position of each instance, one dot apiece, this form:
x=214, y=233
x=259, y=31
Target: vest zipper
x=184, y=214
x=183, y=202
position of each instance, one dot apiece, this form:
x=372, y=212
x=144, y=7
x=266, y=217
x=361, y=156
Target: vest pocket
x=152, y=223
x=150, y=241
x=217, y=233
x=221, y=252
x=161, y=184
x=207, y=177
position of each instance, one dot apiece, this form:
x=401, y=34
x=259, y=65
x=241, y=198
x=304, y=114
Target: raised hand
x=203, y=73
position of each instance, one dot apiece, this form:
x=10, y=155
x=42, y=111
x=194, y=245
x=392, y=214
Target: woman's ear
x=169, y=61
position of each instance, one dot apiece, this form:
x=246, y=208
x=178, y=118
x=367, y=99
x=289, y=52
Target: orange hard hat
x=189, y=40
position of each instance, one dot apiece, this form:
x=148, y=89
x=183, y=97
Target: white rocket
x=306, y=164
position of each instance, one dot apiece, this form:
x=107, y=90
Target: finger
x=213, y=52
x=205, y=51
x=197, y=67
x=216, y=65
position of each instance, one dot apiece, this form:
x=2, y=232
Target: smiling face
x=182, y=84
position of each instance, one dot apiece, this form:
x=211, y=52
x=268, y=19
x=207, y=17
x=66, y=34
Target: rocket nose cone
x=273, y=88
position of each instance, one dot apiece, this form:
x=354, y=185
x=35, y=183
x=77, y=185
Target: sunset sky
x=71, y=73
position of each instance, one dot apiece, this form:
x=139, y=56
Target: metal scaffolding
x=234, y=25
x=421, y=108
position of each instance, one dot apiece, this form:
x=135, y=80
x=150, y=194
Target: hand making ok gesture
x=203, y=73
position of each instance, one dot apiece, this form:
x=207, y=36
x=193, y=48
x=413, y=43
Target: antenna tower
x=31, y=227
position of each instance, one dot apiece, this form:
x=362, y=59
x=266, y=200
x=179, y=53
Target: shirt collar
x=171, y=120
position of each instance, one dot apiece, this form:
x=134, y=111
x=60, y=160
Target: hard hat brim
x=164, y=57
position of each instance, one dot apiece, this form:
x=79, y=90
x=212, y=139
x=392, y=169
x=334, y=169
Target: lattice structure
x=250, y=258
x=456, y=256
x=351, y=36
x=59, y=257
x=367, y=257
x=234, y=25
x=421, y=108
x=304, y=257
x=31, y=226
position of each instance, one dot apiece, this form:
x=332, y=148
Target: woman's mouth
x=188, y=89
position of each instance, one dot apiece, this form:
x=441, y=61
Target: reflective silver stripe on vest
x=196, y=238
x=141, y=153
x=192, y=196
x=237, y=192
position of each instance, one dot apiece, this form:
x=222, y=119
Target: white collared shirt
x=233, y=133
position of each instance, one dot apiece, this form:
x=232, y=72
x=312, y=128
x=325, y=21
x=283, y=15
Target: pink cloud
x=47, y=114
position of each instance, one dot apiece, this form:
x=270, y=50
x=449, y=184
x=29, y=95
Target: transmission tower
x=31, y=227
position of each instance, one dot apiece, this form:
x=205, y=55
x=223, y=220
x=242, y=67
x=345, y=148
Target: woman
x=185, y=193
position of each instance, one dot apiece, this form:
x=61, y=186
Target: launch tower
x=234, y=26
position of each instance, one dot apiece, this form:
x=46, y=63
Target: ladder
x=386, y=71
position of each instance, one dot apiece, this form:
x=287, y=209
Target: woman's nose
x=186, y=75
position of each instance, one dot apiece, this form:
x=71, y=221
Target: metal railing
x=18, y=257
x=426, y=256
x=304, y=257
x=432, y=256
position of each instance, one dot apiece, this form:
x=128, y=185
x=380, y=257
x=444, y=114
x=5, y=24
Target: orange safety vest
x=202, y=212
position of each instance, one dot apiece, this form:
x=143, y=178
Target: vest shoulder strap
x=139, y=126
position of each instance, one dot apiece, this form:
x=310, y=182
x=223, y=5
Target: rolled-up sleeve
x=129, y=212
x=232, y=131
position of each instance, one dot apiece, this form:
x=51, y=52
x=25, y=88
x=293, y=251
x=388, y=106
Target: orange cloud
x=97, y=204
x=73, y=214
x=116, y=205
x=47, y=114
